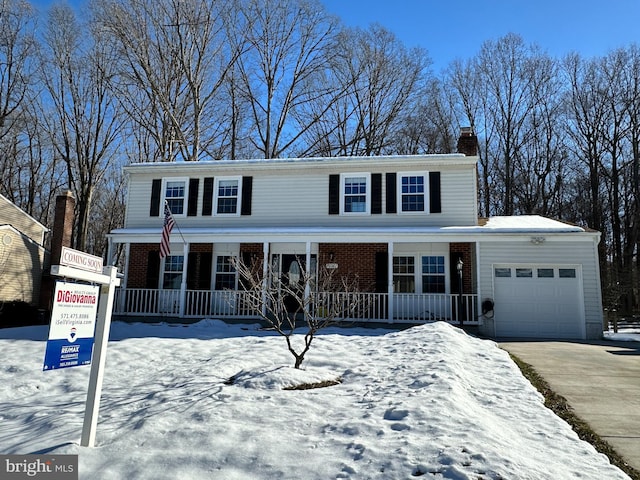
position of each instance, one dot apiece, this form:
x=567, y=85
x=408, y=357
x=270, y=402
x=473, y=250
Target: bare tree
x=307, y=299
x=380, y=81
x=174, y=56
x=77, y=67
x=289, y=44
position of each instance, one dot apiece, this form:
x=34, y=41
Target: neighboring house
x=22, y=255
x=406, y=225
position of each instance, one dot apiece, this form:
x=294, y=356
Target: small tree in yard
x=308, y=299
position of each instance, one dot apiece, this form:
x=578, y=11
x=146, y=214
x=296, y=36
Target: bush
x=19, y=314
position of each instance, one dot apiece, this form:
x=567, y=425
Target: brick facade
x=138, y=256
x=466, y=251
x=352, y=259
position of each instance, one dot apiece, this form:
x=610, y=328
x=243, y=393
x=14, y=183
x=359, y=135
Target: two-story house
x=407, y=226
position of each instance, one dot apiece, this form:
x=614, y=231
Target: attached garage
x=538, y=301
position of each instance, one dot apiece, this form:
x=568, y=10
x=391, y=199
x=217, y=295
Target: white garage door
x=542, y=301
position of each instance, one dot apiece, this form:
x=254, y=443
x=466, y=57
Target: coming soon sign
x=73, y=319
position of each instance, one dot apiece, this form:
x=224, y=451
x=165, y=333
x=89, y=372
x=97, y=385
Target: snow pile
x=206, y=401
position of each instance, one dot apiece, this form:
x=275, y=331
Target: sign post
x=82, y=266
x=103, y=325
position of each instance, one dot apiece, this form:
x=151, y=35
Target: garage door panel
x=535, y=301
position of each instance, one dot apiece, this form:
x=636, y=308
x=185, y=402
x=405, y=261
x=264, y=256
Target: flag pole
x=175, y=223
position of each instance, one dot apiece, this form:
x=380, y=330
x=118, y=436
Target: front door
x=290, y=269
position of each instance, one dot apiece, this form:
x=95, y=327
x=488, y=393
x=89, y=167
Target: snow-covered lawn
x=428, y=401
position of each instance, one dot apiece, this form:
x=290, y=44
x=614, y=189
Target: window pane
x=412, y=193
x=174, y=196
x=404, y=284
x=404, y=265
x=355, y=194
x=403, y=275
x=227, y=196
x=524, y=272
x=502, y=272
x=433, y=278
x=172, y=276
x=545, y=273
x=225, y=274
x=567, y=273
x=433, y=284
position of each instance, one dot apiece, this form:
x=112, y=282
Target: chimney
x=468, y=142
x=62, y=225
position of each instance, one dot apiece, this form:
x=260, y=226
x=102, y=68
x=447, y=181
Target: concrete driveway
x=600, y=380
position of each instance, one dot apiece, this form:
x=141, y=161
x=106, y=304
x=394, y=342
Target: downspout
x=390, y=282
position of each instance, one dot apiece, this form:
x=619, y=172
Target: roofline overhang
x=350, y=235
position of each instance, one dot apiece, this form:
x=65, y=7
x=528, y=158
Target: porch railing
x=372, y=307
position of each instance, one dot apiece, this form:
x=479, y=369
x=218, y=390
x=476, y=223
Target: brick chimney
x=468, y=142
x=62, y=225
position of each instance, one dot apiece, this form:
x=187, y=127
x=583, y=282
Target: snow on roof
x=536, y=223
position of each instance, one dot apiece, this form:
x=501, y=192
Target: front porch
x=237, y=304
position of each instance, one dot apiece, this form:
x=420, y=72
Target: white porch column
x=307, y=286
x=390, y=282
x=183, y=284
x=127, y=255
x=265, y=276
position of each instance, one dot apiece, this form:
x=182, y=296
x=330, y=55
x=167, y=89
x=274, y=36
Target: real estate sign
x=73, y=319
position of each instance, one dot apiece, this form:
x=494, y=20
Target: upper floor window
x=412, y=191
x=175, y=193
x=356, y=193
x=227, y=196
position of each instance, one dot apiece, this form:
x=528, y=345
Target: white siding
x=299, y=196
x=560, y=252
x=10, y=214
x=21, y=264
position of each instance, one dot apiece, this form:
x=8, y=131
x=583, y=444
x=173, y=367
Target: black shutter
x=207, y=196
x=382, y=272
x=376, y=193
x=435, y=203
x=154, y=208
x=192, y=270
x=153, y=269
x=391, y=193
x=334, y=194
x=204, y=280
x=192, y=206
x=247, y=191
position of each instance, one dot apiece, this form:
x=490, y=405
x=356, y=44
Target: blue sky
x=451, y=29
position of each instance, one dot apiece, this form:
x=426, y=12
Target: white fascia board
x=207, y=166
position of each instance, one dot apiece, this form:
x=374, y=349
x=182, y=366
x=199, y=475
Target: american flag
x=165, y=249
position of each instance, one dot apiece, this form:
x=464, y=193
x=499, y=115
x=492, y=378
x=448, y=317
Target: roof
x=432, y=159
